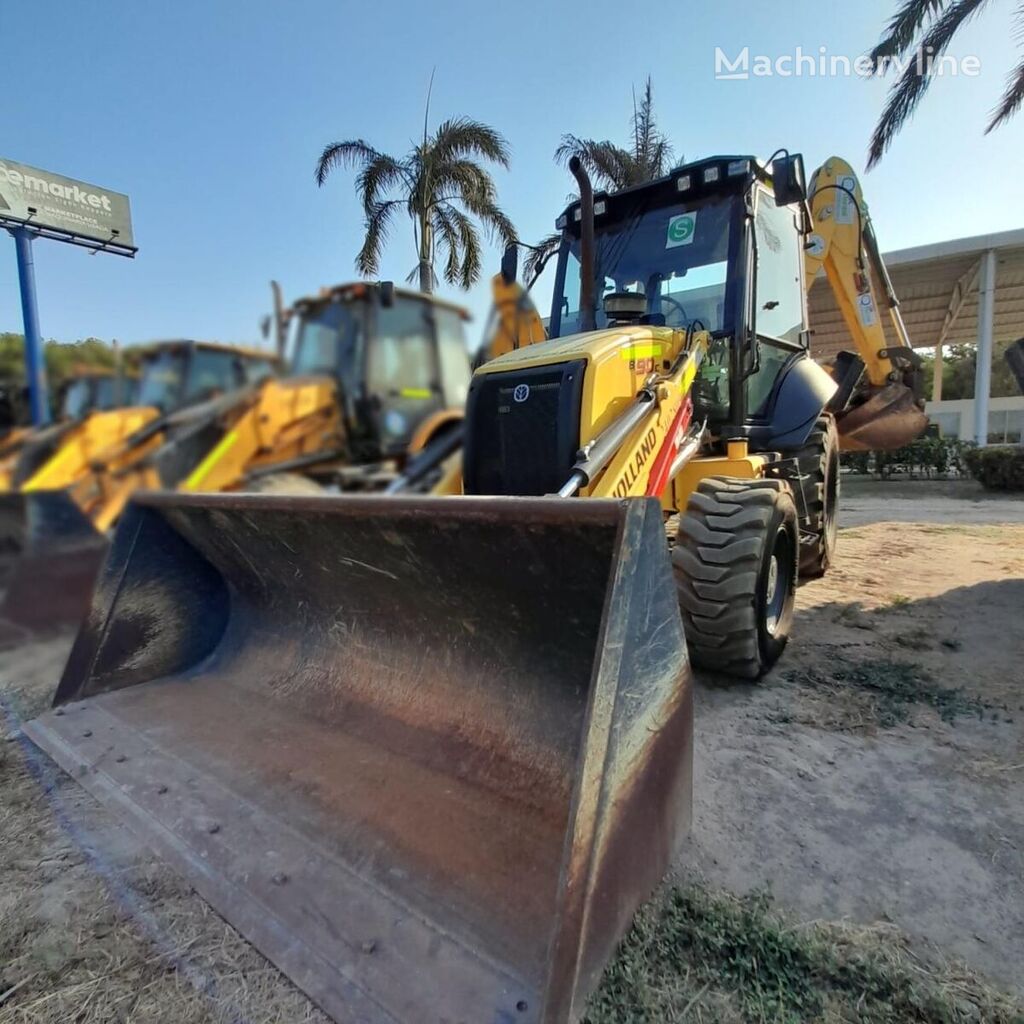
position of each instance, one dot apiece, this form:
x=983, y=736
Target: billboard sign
x=64, y=208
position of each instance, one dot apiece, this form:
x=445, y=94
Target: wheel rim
x=778, y=581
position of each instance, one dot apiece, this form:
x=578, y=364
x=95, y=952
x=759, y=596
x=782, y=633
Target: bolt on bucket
x=50, y=554
x=427, y=754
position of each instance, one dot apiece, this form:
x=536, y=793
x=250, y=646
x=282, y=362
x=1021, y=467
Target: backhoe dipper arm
x=880, y=406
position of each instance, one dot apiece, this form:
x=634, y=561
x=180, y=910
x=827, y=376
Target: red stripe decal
x=669, y=450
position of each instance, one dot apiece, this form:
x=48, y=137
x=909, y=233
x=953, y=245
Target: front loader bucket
x=50, y=554
x=427, y=754
x=889, y=419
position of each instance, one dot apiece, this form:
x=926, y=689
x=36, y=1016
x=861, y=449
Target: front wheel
x=735, y=562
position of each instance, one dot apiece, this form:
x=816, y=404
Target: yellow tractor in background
x=88, y=390
x=375, y=373
x=52, y=520
x=430, y=753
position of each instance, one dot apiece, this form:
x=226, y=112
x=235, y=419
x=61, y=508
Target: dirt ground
x=876, y=775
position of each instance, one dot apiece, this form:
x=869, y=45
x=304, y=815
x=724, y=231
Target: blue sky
x=211, y=115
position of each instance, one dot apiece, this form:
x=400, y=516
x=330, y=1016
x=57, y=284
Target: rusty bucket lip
x=478, y=508
x=633, y=731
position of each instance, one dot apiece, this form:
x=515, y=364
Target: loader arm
x=514, y=323
x=288, y=420
x=880, y=402
x=639, y=453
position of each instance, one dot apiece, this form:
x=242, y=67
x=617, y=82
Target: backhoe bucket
x=889, y=419
x=427, y=754
x=50, y=554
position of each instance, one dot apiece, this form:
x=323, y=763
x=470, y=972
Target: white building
x=964, y=291
x=955, y=418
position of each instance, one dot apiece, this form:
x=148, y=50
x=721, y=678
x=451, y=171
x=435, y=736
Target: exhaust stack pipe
x=588, y=320
x=280, y=329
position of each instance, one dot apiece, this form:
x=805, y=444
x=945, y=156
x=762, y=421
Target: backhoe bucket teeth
x=50, y=554
x=889, y=419
x=427, y=754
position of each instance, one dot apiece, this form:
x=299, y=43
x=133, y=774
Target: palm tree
x=443, y=189
x=925, y=28
x=611, y=166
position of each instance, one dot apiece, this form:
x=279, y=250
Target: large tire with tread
x=735, y=562
x=819, y=464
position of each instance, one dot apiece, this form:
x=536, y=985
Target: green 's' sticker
x=680, y=230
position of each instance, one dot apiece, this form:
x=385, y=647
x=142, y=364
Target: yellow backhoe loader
x=430, y=753
x=52, y=527
x=376, y=372
x=88, y=390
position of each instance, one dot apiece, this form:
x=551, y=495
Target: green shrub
x=999, y=467
x=925, y=456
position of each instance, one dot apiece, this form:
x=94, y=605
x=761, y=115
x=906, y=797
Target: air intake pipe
x=588, y=321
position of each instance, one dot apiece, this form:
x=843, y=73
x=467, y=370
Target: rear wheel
x=735, y=561
x=819, y=466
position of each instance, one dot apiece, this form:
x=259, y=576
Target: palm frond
x=448, y=241
x=911, y=86
x=652, y=150
x=379, y=175
x=610, y=166
x=466, y=178
x=461, y=137
x=378, y=228
x=466, y=238
x=906, y=23
x=353, y=153
x=1011, y=99
x=539, y=254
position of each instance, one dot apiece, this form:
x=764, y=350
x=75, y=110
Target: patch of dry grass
x=85, y=940
x=699, y=955
x=873, y=693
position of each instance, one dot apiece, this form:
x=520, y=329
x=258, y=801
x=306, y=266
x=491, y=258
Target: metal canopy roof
x=937, y=286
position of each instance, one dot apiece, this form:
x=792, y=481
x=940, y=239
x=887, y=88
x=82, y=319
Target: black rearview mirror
x=510, y=264
x=387, y=294
x=788, y=181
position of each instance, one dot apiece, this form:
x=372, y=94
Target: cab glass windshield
x=86, y=394
x=161, y=381
x=401, y=360
x=328, y=342
x=678, y=256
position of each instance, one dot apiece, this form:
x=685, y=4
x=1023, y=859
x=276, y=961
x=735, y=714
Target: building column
x=937, y=379
x=983, y=371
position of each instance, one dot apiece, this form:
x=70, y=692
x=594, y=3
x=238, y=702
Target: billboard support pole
x=35, y=368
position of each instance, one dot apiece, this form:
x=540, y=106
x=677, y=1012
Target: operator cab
x=174, y=374
x=398, y=357
x=96, y=391
x=716, y=245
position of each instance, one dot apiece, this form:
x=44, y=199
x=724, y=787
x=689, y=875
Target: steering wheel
x=679, y=307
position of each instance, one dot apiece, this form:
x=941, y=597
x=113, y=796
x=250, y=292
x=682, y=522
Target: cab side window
x=779, y=297
x=211, y=373
x=255, y=370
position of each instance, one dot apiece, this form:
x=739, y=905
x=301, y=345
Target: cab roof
x=241, y=351
x=695, y=180
x=361, y=289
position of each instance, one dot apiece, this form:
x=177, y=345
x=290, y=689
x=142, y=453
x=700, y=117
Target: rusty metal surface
x=427, y=754
x=889, y=419
x=50, y=554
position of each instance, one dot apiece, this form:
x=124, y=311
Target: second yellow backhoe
x=430, y=753
x=89, y=390
x=375, y=373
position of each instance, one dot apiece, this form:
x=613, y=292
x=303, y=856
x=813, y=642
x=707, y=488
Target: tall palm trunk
x=426, y=264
